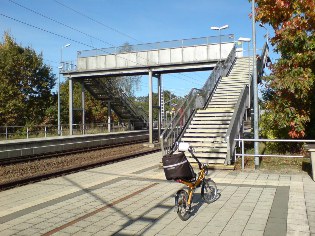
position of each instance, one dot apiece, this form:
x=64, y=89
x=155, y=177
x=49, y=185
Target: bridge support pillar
x=160, y=103
x=70, y=106
x=83, y=106
x=150, y=109
x=109, y=114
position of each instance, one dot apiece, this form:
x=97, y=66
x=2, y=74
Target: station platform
x=132, y=197
x=36, y=146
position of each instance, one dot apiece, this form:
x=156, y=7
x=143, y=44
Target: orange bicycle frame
x=192, y=185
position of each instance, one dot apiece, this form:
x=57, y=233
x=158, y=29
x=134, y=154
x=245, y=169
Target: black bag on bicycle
x=176, y=166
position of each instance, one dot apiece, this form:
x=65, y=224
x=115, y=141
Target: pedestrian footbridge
x=95, y=68
x=211, y=117
x=162, y=57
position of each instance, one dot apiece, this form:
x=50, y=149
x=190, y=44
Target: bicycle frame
x=192, y=185
x=184, y=198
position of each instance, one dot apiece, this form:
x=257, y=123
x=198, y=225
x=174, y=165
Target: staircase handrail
x=213, y=78
x=236, y=123
x=136, y=111
x=262, y=60
x=177, y=124
x=260, y=69
x=240, y=107
x=174, y=131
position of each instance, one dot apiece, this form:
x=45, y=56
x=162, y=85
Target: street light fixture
x=219, y=28
x=60, y=68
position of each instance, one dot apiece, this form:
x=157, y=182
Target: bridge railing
x=197, y=98
x=236, y=123
x=157, y=46
x=138, y=112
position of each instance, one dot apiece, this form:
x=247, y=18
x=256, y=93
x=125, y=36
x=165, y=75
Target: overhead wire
x=44, y=30
x=72, y=28
x=58, y=22
x=100, y=23
x=96, y=21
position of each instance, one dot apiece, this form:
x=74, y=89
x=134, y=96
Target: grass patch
x=277, y=164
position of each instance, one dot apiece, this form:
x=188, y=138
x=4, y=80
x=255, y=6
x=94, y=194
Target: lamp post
x=256, y=126
x=219, y=28
x=60, y=67
x=267, y=32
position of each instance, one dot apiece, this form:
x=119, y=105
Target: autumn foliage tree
x=95, y=110
x=289, y=92
x=25, y=87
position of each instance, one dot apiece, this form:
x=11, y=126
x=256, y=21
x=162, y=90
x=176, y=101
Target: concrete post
x=311, y=149
x=150, y=109
x=70, y=106
x=313, y=163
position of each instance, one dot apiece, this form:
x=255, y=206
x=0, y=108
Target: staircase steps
x=210, y=126
x=207, y=131
x=210, y=122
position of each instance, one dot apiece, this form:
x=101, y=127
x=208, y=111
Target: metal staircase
x=213, y=128
x=207, y=131
x=103, y=89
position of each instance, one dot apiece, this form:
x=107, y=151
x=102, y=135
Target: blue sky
x=88, y=24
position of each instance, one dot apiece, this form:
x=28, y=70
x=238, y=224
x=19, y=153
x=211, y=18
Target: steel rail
x=72, y=169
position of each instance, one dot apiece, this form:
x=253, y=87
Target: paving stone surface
x=132, y=197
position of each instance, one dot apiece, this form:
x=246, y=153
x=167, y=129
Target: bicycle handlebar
x=190, y=149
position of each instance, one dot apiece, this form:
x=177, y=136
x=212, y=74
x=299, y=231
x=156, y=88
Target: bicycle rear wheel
x=183, y=209
x=209, y=190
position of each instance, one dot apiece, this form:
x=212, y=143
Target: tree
x=170, y=99
x=26, y=83
x=289, y=92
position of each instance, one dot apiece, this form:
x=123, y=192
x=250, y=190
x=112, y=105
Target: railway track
x=18, y=159
x=38, y=168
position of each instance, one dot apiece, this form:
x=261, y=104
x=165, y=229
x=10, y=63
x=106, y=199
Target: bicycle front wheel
x=183, y=210
x=209, y=190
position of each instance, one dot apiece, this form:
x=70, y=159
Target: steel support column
x=150, y=109
x=255, y=89
x=109, y=114
x=59, y=106
x=83, y=106
x=70, y=106
x=160, y=103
